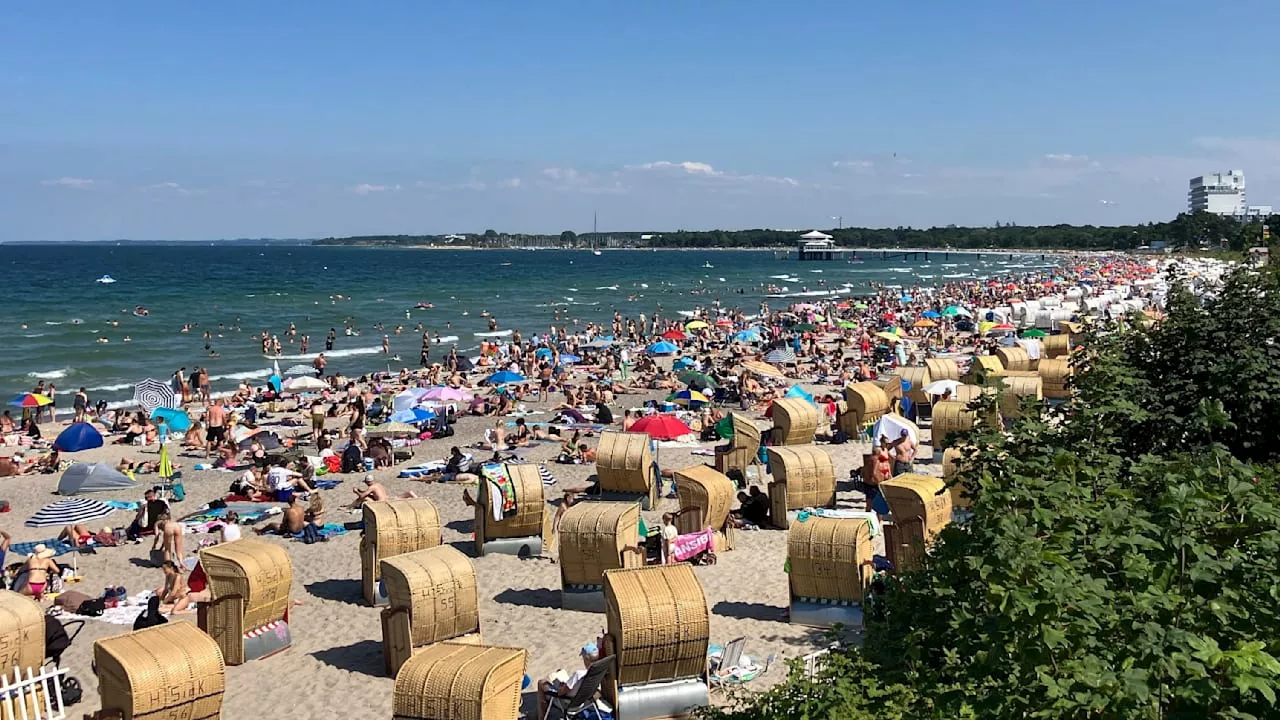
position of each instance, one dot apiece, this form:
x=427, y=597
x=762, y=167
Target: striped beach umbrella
x=781, y=356
x=69, y=512
x=151, y=394
x=29, y=400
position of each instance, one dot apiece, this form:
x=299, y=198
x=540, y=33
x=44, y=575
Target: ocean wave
x=110, y=388
x=346, y=352
x=32, y=335
x=50, y=374
x=247, y=375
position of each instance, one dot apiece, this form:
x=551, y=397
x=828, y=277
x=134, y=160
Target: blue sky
x=291, y=119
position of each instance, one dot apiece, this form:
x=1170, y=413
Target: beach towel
x=435, y=466
x=502, y=492
x=119, y=615
x=123, y=505
x=687, y=546
x=59, y=547
x=547, y=478
x=327, y=484
x=327, y=530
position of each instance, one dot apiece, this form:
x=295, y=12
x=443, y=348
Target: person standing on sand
x=180, y=385
x=204, y=385
x=51, y=393
x=216, y=416
x=81, y=404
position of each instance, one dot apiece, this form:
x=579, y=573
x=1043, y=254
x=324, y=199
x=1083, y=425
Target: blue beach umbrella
x=78, y=436
x=747, y=336
x=542, y=352
x=905, y=299
x=663, y=348
x=569, y=359
x=798, y=392
x=931, y=314
x=502, y=377
x=177, y=420
x=683, y=363
x=275, y=382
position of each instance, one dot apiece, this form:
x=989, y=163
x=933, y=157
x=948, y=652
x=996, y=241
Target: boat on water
x=596, y=252
x=106, y=280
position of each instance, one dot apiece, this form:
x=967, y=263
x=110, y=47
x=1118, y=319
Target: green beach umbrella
x=697, y=380
x=1034, y=333
x=847, y=325
x=860, y=306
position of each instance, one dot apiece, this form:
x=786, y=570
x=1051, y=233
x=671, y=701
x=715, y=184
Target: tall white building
x=1219, y=193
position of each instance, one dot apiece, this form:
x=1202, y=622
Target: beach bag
x=92, y=608
x=179, y=492
x=352, y=459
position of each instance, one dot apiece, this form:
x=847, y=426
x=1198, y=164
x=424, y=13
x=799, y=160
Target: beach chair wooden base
x=585, y=598
x=674, y=699
x=267, y=641
x=522, y=547
x=820, y=614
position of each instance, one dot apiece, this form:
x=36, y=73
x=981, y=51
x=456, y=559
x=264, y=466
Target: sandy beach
x=337, y=637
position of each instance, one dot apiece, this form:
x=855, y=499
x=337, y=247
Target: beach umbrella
x=804, y=327
x=268, y=440
x=443, y=393
x=941, y=387
x=674, y=335
x=682, y=363
x=569, y=359
x=465, y=364
x=151, y=394
x=78, y=436
x=724, y=428
x=747, y=336
x=688, y=398
x=953, y=310
x=925, y=323
x=1034, y=333
x=598, y=344
x=92, y=477
x=662, y=347
x=891, y=426
x=661, y=427
x=176, y=420
x=905, y=299
x=304, y=384
x=762, y=368
x=847, y=325
x=696, y=380
x=71, y=511
x=393, y=428
x=542, y=353
x=888, y=336
x=275, y=382
x=932, y=314
x=1008, y=341
x=29, y=400
x=695, y=325
x=781, y=356
x=165, y=467
x=412, y=416
x=502, y=377
x=860, y=306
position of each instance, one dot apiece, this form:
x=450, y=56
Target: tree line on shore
x=1187, y=230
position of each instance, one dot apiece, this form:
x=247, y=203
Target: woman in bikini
x=39, y=564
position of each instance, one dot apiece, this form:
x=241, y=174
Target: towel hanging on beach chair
x=502, y=492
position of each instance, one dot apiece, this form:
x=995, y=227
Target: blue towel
x=59, y=547
x=327, y=484
x=123, y=504
x=327, y=530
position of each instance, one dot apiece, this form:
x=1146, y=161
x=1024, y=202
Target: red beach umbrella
x=675, y=335
x=661, y=427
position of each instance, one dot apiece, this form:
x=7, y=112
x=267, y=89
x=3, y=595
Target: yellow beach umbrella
x=925, y=323
x=889, y=336
x=695, y=325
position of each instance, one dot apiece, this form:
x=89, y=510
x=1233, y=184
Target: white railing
x=30, y=698
x=814, y=661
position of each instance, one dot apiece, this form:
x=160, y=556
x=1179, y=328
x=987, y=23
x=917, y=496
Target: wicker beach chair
x=247, y=614
x=394, y=527
x=452, y=681
x=164, y=672
x=432, y=597
x=524, y=533
x=803, y=477
x=795, y=421
x=744, y=447
x=595, y=537
x=921, y=507
x=625, y=467
x=706, y=498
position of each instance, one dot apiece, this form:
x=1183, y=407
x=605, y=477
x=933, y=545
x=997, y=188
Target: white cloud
x=173, y=187
x=560, y=174
x=1065, y=157
x=705, y=170
x=69, y=182
x=366, y=188
x=514, y=182
x=689, y=166
x=853, y=164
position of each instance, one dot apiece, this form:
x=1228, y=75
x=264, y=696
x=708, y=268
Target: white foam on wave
x=50, y=374
x=32, y=335
x=247, y=375
x=50, y=322
x=447, y=338
x=345, y=352
x=110, y=388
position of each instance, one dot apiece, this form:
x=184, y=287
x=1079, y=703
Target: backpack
x=352, y=459
x=839, y=437
x=92, y=608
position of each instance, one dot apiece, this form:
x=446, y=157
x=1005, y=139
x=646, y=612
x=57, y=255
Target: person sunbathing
x=38, y=565
x=374, y=491
x=291, y=523
x=79, y=535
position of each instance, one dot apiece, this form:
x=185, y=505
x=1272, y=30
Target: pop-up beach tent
x=92, y=477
